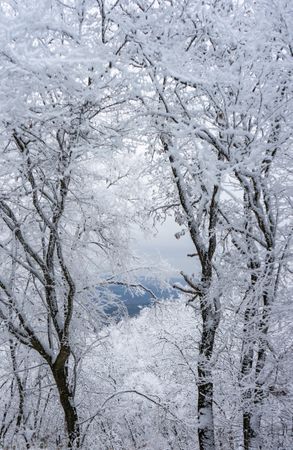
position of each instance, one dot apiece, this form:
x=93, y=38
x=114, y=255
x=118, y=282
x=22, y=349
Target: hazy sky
x=165, y=246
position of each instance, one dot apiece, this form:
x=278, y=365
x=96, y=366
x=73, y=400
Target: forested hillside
x=118, y=116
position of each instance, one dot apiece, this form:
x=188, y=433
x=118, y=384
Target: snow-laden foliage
x=139, y=384
x=139, y=388
x=113, y=112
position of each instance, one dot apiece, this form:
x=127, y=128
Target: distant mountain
x=136, y=299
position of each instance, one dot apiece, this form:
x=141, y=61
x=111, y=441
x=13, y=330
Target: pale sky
x=165, y=246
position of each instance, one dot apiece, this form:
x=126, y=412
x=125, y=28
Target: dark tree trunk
x=246, y=369
x=206, y=433
x=60, y=374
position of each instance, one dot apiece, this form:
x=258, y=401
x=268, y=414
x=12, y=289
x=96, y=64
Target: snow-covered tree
x=214, y=85
x=61, y=227
x=195, y=98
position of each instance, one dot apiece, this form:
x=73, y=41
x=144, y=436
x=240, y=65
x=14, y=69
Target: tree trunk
x=60, y=374
x=246, y=373
x=206, y=433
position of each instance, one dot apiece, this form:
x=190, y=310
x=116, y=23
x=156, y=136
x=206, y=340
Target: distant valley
x=137, y=299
